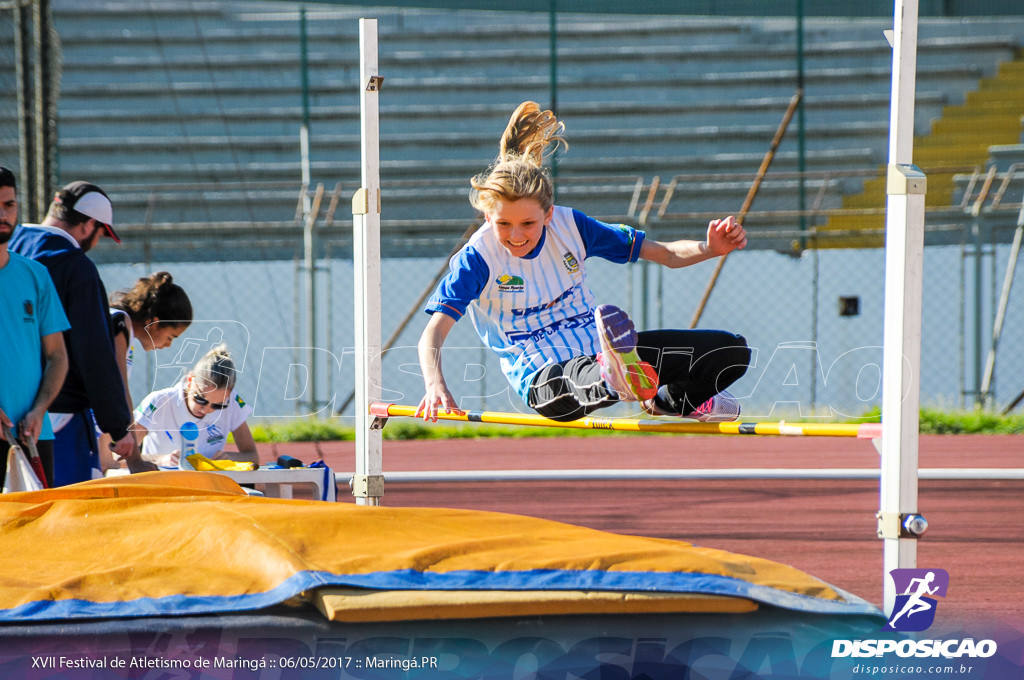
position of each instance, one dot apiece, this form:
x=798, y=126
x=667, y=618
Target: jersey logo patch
x=214, y=435
x=507, y=283
x=571, y=264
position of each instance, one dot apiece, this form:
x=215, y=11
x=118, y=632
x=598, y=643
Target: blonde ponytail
x=528, y=134
x=518, y=172
x=215, y=370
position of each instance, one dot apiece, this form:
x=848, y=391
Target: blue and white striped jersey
x=535, y=310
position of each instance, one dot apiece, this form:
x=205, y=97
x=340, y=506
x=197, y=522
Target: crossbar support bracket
x=901, y=525
x=368, y=486
x=905, y=179
x=361, y=202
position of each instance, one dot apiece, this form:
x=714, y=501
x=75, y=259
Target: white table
x=277, y=482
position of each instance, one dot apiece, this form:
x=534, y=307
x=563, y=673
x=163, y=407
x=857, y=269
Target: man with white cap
x=81, y=214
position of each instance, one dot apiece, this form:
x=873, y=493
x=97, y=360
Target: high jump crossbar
x=780, y=428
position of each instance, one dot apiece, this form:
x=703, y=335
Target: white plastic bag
x=20, y=475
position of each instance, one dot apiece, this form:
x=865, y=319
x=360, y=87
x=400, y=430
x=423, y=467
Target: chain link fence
x=9, y=89
x=813, y=319
x=191, y=115
x=30, y=58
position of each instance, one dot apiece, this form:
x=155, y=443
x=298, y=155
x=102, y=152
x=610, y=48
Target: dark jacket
x=94, y=380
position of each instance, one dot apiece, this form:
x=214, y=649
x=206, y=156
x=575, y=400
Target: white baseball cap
x=88, y=199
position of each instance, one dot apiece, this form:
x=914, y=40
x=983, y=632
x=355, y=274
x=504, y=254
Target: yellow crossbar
x=781, y=428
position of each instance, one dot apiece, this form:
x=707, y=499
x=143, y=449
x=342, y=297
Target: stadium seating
x=181, y=94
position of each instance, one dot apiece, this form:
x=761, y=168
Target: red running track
x=826, y=528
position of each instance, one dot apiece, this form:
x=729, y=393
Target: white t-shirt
x=163, y=413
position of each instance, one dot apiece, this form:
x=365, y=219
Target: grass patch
x=400, y=429
x=970, y=422
x=933, y=421
x=939, y=421
x=302, y=430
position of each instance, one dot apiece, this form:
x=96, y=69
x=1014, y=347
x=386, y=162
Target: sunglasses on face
x=203, y=401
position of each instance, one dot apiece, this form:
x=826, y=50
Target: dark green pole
x=308, y=237
x=979, y=256
x=553, y=74
x=304, y=47
x=800, y=124
x=304, y=127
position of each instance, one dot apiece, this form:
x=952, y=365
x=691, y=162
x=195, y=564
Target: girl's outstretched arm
x=724, y=236
x=436, y=392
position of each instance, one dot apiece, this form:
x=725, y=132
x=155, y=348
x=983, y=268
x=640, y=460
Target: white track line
x=677, y=474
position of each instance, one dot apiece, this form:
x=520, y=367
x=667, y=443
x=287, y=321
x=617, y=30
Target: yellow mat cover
x=167, y=543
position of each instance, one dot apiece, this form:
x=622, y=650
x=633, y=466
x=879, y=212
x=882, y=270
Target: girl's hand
x=437, y=397
x=125, y=447
x=429, y=351
x=725, y=236
x=169, y=460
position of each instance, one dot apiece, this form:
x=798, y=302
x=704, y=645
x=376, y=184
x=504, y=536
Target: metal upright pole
x=308, y=220
x=899, y=524
x=801, y=123
x=553, y=77
x=40, y=105
x=1004, y=302
x=368, y=481
x=23, y=70
x=304, y=126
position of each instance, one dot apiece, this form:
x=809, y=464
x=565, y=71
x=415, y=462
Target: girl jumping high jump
x=522, y=278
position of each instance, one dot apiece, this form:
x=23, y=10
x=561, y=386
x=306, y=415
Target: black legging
x=694, y=365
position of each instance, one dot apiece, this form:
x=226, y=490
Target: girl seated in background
x=198, y=413
x=154, y=311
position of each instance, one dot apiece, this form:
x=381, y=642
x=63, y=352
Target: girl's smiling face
x=519, y=225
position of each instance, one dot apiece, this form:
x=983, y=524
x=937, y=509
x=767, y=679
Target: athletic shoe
x=650, y=407
x=721, y=408
x=629, y=377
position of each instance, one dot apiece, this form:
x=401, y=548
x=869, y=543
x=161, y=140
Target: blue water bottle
x=189, y=435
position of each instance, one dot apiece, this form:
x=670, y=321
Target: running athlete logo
x=914, y=611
